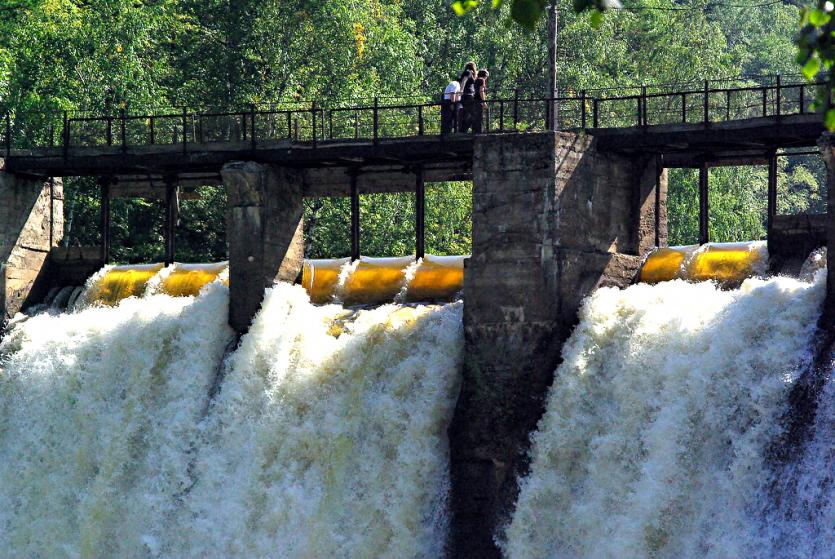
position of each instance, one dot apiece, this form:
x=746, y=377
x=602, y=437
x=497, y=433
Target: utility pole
x=553, y=107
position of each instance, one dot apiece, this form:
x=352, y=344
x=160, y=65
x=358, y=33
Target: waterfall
x=328, y=437
x=655, y=438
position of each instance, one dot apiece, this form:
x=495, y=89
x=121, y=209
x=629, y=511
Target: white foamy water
x=800, y=510
x=655, y=436
x=98, y=416
x=329, y=436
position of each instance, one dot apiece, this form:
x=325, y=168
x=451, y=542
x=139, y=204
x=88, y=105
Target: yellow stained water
x=436, y=280
x=726, y=264
x=121, y=282
x=375, y=282
x=722, y=262
x=321, y=277
x=189, y=279
x=370, y=281
x=663, y=265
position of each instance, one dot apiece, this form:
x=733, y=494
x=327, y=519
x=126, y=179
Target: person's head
x=471, y=67
x=483, y=73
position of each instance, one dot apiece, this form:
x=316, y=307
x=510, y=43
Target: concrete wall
x=264, y=231
x=31, y=223
x=553, y=219
x=792, y=238
x=827, y=147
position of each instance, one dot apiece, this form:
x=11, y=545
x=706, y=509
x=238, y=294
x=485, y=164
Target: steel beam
x=704, y=236
x=355, y=218
x=420, y=215
x=172, y=204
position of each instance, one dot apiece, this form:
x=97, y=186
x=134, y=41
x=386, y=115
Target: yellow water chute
x=188, y=279
x=121, y=282
x=381, y=280
x=722, y=262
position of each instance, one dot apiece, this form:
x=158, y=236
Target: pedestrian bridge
x=569, y=194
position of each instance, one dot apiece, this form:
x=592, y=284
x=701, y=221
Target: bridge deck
x=740, y=142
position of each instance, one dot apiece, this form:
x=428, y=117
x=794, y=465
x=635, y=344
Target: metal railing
x=316, y=123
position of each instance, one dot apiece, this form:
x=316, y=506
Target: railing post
x=641, y=115
x=684, y=108
x=252, y=123
x=420, y=214
x=122, y=131
x=185, y=127
x=109, y=130
x=778, y=95
x=516, y=109
x=501, y=115
x=9, y=133
x=583, y=109
x=802, y=100
x=595, y=113
x=313, y=117
x=376, y=119
x=66, y=134
x=151, y=127
x=51, y=135
x=420, y=120
x=707, y=102
x=727, y=104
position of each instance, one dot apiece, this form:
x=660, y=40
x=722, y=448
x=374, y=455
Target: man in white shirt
x=449, y=106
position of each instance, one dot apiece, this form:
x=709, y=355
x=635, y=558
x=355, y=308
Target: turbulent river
x=328, y=435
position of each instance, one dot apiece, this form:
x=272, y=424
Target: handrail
x=319, y=122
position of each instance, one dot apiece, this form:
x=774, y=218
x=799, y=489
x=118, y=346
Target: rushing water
x=656, y=435
x=326, y=440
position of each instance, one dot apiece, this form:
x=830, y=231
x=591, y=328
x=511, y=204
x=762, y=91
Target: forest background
x=145, y=54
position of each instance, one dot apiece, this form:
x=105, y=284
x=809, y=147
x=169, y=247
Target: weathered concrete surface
x=264, y=232
x=827, y=147
x=73, y=265
x=31, y=223
x=793, y=238
x=553, y=219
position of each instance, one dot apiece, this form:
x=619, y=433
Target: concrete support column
x=553, y=219
x=264, y=232
x=827, y=147
x=31, y=223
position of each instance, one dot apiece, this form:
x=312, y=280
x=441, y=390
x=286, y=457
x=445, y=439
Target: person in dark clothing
x=467, y=83
x=480, y=105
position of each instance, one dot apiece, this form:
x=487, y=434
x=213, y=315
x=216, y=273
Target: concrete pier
x=553, y=218
x=264, y=232
x=31, y=223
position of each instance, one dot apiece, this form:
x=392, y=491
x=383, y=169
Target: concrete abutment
x=553, y=218
x=31, y=224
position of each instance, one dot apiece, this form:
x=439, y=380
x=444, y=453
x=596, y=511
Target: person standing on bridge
x=480, y=105
x=467, y=82
x=449, y=107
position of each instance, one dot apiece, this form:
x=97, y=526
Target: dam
x=564, y=214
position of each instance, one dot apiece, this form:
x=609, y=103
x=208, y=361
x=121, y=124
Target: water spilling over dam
x=655, y=442
x=328, y=437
